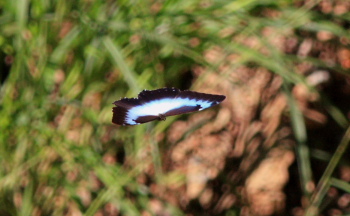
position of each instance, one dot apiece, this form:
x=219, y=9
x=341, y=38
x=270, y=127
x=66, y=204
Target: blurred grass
x=72, y=59
x=302, y=150
x=326, y=180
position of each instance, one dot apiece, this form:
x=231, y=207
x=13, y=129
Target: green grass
x=72, y=59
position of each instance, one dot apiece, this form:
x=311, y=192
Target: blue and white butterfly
x=160, y=103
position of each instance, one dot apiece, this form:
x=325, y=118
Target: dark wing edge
x=127, y=103
x=119, y=115
x=202, y=96
x=182, y=110
x=145, y=119
x=151, y=95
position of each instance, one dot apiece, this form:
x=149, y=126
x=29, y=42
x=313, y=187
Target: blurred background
x=278, y=144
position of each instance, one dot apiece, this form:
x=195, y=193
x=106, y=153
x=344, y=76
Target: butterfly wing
x=157, y=104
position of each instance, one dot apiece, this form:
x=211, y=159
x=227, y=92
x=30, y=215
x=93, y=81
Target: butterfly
x=158, y=104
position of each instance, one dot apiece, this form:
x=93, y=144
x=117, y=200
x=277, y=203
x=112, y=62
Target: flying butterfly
x=158, y=104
